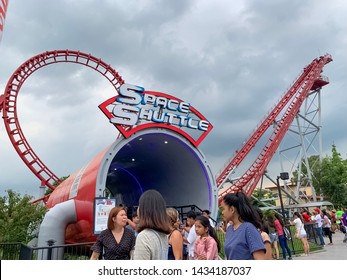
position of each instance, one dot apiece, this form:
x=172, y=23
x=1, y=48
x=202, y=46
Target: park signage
x=135, y=109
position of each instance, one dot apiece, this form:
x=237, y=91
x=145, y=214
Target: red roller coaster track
x=310, y=79
x=8, y=103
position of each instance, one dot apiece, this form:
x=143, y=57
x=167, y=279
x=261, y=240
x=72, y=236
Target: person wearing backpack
x=276, y=221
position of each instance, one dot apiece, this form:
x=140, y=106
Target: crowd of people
x=155, y=232
x=326, y=223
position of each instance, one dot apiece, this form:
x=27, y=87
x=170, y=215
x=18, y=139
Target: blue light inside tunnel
x=151, y=151
x=129, y=173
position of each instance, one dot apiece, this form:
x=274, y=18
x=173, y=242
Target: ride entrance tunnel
x=150, y=159
x=158, y=150
x=160, y=160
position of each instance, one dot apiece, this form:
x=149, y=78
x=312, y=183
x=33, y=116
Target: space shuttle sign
x=135, y=109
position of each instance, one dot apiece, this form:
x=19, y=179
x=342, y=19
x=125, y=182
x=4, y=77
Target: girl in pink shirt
x=276, y=221
x=207, y=244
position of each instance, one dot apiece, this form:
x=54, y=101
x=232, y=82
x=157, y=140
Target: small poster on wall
x=102, y=207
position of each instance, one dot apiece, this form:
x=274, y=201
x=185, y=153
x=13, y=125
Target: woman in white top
x=300, y=232
x=152, y=242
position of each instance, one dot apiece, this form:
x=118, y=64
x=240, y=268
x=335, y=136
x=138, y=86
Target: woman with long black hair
x=242, y=240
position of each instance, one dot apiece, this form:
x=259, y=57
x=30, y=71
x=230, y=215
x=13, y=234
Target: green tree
x=329, y=177
x=19, y=218
x=261, y=194
x=332, y=180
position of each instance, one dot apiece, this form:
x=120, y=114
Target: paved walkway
x=338, y=251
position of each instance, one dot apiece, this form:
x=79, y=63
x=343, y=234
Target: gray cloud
x=231, y=61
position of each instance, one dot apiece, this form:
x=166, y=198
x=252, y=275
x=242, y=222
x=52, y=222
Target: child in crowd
x=189, y=240
x=207, y=244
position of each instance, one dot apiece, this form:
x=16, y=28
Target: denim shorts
x=273, y=237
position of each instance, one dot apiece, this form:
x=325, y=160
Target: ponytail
x=212, y=232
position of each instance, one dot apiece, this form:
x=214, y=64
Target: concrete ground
x=337, y=251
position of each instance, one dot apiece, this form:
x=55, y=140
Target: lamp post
x=283, y=176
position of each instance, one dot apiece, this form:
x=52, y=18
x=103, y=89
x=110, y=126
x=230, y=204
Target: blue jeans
x=284, y=245
x=319, y=233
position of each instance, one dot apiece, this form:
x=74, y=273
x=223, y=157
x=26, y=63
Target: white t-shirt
x=328, y=224
x=318, y=221
x=191, y=239
x=299, y=226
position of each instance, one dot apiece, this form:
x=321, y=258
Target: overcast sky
x=232, y=60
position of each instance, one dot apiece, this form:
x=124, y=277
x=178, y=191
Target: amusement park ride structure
x=280, y=117
x=310, y=81
x=9, y=103
x=71, y=202
x=71, y=216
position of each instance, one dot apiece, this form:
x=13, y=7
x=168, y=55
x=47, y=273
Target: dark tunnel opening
x=163, y=162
